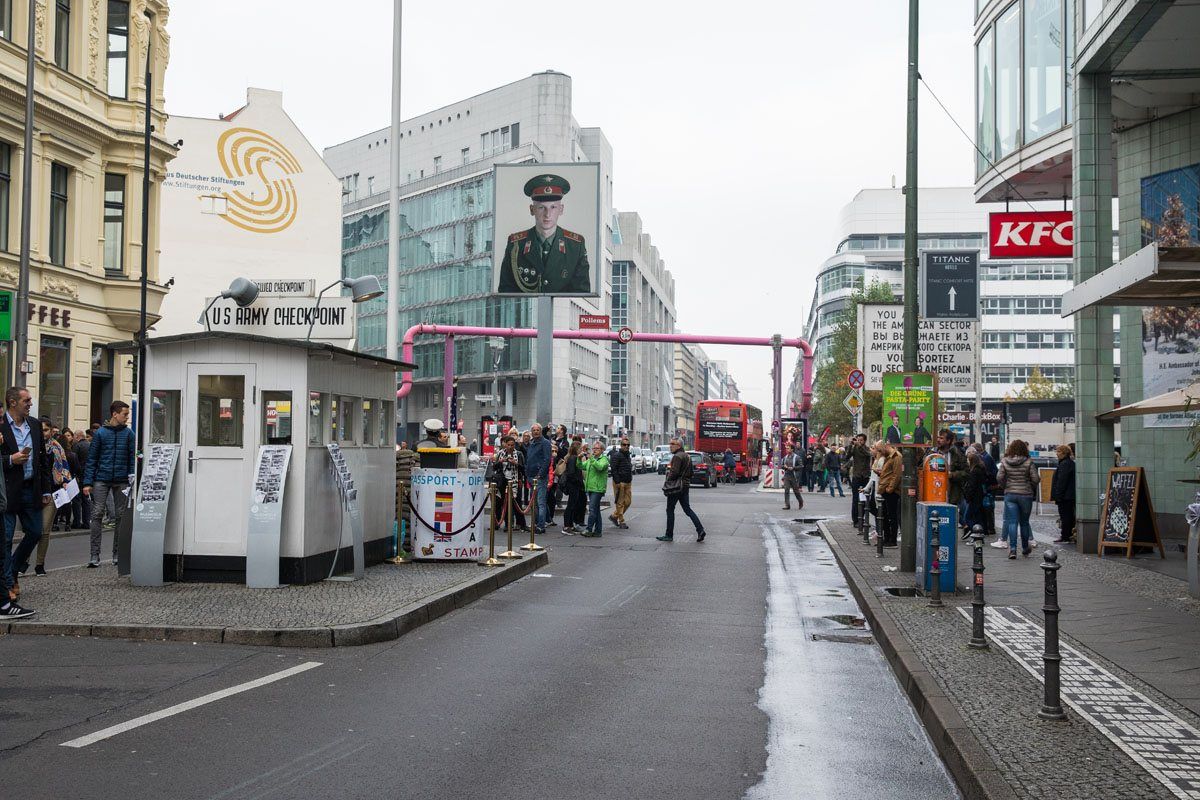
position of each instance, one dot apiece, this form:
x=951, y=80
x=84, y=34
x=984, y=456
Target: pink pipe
x=425, y=329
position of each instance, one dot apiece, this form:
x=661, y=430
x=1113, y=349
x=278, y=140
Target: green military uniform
x=556, y=264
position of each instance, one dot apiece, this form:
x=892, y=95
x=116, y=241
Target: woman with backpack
x=1018, y=477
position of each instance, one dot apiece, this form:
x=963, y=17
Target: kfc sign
x=1031, y=234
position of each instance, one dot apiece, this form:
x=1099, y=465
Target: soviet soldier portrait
x=546, y=259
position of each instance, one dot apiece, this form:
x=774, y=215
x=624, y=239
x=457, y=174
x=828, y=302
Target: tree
x=1039, y=387
x=831, y=387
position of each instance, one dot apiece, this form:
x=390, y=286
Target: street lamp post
x=496, y=343
x=574, y=391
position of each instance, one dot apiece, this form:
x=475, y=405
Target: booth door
x=219, y=446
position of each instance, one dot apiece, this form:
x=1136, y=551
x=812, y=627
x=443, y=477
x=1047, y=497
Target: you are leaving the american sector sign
x=946, y=346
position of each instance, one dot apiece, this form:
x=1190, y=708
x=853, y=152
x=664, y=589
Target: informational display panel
x=150, y=515
x=448, y=524
x=945, y=346
x=348, y=493
x=266, y=516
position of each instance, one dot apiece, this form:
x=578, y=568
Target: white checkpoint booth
x=220, y=395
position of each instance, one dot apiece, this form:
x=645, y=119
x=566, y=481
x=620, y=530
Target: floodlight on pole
x=241, y=291
x=361, y=289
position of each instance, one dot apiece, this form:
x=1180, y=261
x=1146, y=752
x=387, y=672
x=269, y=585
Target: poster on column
x=448, y=524
x=1170, y=335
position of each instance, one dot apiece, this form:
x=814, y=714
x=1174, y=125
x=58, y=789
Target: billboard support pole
x=545, y=360
x=777, y=406
x=392, y=322
x=979, y=382
x=908, y=486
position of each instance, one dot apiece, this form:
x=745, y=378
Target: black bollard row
x=978, y=639
x=1051, y=703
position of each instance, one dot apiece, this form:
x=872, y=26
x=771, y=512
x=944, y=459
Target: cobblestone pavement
x=100, y=597
x=1106, y=602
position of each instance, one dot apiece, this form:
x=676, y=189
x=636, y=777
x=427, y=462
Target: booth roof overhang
x=312, y=347
x=1153, y=276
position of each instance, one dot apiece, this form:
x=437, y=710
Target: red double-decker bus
x=728, y=424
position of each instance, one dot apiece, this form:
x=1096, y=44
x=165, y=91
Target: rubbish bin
x=947, y=515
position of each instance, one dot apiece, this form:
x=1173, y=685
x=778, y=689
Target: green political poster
x=909, y=408
x=6, y=309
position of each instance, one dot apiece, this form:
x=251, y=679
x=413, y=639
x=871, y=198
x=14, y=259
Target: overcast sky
x=739, y=129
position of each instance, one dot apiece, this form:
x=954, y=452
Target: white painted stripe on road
x=92, y=738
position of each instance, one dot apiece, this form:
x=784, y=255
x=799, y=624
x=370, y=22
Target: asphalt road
x=628, y=668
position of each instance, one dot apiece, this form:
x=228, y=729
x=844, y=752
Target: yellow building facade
x=87, y=161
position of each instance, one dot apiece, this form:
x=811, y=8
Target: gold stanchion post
x=533, y=546
x=402, y=556
x=510, y=498
x=492, y=561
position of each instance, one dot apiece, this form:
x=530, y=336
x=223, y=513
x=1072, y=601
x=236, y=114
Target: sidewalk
x=390, y=601
x=981, y=706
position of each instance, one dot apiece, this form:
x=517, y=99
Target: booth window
x=277, y=417
x=334, y=420
x=369, y=422
x=387, y=424
x=347, y=425
x=164, y=419
x=56, y=374
x=316, y=421
x=220, y=407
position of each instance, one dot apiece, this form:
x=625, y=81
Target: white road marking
x=92, y=738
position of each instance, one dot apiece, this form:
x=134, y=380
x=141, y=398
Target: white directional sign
x=946, y=346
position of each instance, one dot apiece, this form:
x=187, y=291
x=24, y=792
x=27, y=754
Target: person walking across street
x=793, y=479
x=860, y=472
x=27, y=492
x=833, y=471
x=537, y=470
x=621, y=466
x=595, y=480
x=107, y=472
x=889, y=490
x=60, y=476
x=1018, y=478
x=1062, y=492
x=676, y=488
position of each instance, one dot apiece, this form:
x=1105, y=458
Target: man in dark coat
x=27, y=486
x=860, y=471
x=1062, y=492
x=620, y=466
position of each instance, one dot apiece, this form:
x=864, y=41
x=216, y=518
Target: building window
x=118, y=47
x=1022, y=305
x=55, y=373
x=985, y=102
x=6, y=19
x=437, y=164
x=1044, y=80
x=58, y=213
x=370, y=185
x=1008, y=80
x=5, y=181
x=62, y=33
x=114, y=223
x=466, y=155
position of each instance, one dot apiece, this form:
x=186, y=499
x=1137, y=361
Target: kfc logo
x=1031, y=234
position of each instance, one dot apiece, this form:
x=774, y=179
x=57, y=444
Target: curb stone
x=385, y=628
x=974, y=771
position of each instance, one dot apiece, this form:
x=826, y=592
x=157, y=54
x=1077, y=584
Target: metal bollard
x=1051, y=704
x=492, y=561
x=510, y=500
x=864, y=521
x=935, y=570
x=878, y=527
x=533, y=545
x=978, y=640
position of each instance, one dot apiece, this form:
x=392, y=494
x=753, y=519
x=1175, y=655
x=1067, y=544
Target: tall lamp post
x=496, y=343
x=575, y=372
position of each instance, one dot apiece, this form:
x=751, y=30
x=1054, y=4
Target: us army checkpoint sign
x=945, y=346
x=949, y=284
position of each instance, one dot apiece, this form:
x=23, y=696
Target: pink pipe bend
x=450, y=331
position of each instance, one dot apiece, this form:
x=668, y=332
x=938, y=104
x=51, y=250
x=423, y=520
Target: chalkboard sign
x=1127, y=520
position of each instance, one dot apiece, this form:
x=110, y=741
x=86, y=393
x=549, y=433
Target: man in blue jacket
x=537, y=468
x=110, y=463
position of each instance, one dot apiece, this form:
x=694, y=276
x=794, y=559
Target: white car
x=642, y=459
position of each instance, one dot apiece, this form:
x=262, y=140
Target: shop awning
x=1153, y=276
x=1186, y=399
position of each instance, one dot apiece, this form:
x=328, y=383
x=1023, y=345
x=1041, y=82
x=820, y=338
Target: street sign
x=856, y=380
x=853, y=403
x=285, y=317
x=945, y=346
x=6, y=309
x=292, y=287
x=625, y=335
x=950, y=284
x=593, y=322
x=486, y=398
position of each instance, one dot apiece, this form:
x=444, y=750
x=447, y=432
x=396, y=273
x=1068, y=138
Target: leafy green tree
x=1039, y=387
x=831, y=387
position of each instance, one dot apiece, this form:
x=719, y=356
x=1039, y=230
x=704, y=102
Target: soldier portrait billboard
x=548, y=239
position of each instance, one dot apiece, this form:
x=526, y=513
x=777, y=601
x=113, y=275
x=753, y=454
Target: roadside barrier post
x=864, y=520
x=533, y=546
x=935, y=570
x=879, y=524
x=492, y=561
x=402, y=556
x=509, y=499
x=978, y=640
x=1051, y=703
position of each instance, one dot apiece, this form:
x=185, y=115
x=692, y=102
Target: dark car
x=704, y=471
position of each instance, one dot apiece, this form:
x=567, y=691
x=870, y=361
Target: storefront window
x=220, y=410
x=985, y=100
x=164, y=419
x=1043, y=67
x=277, y=417
x=1008, y=79
x=316, y=422
x=55, y=371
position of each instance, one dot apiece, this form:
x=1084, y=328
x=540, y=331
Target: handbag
x=560, y=468
x=672, y=486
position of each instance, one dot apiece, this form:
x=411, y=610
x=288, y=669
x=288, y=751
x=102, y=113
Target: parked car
x=645, y=459
x=704, y=471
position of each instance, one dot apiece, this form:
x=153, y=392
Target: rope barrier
x=408, y=502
